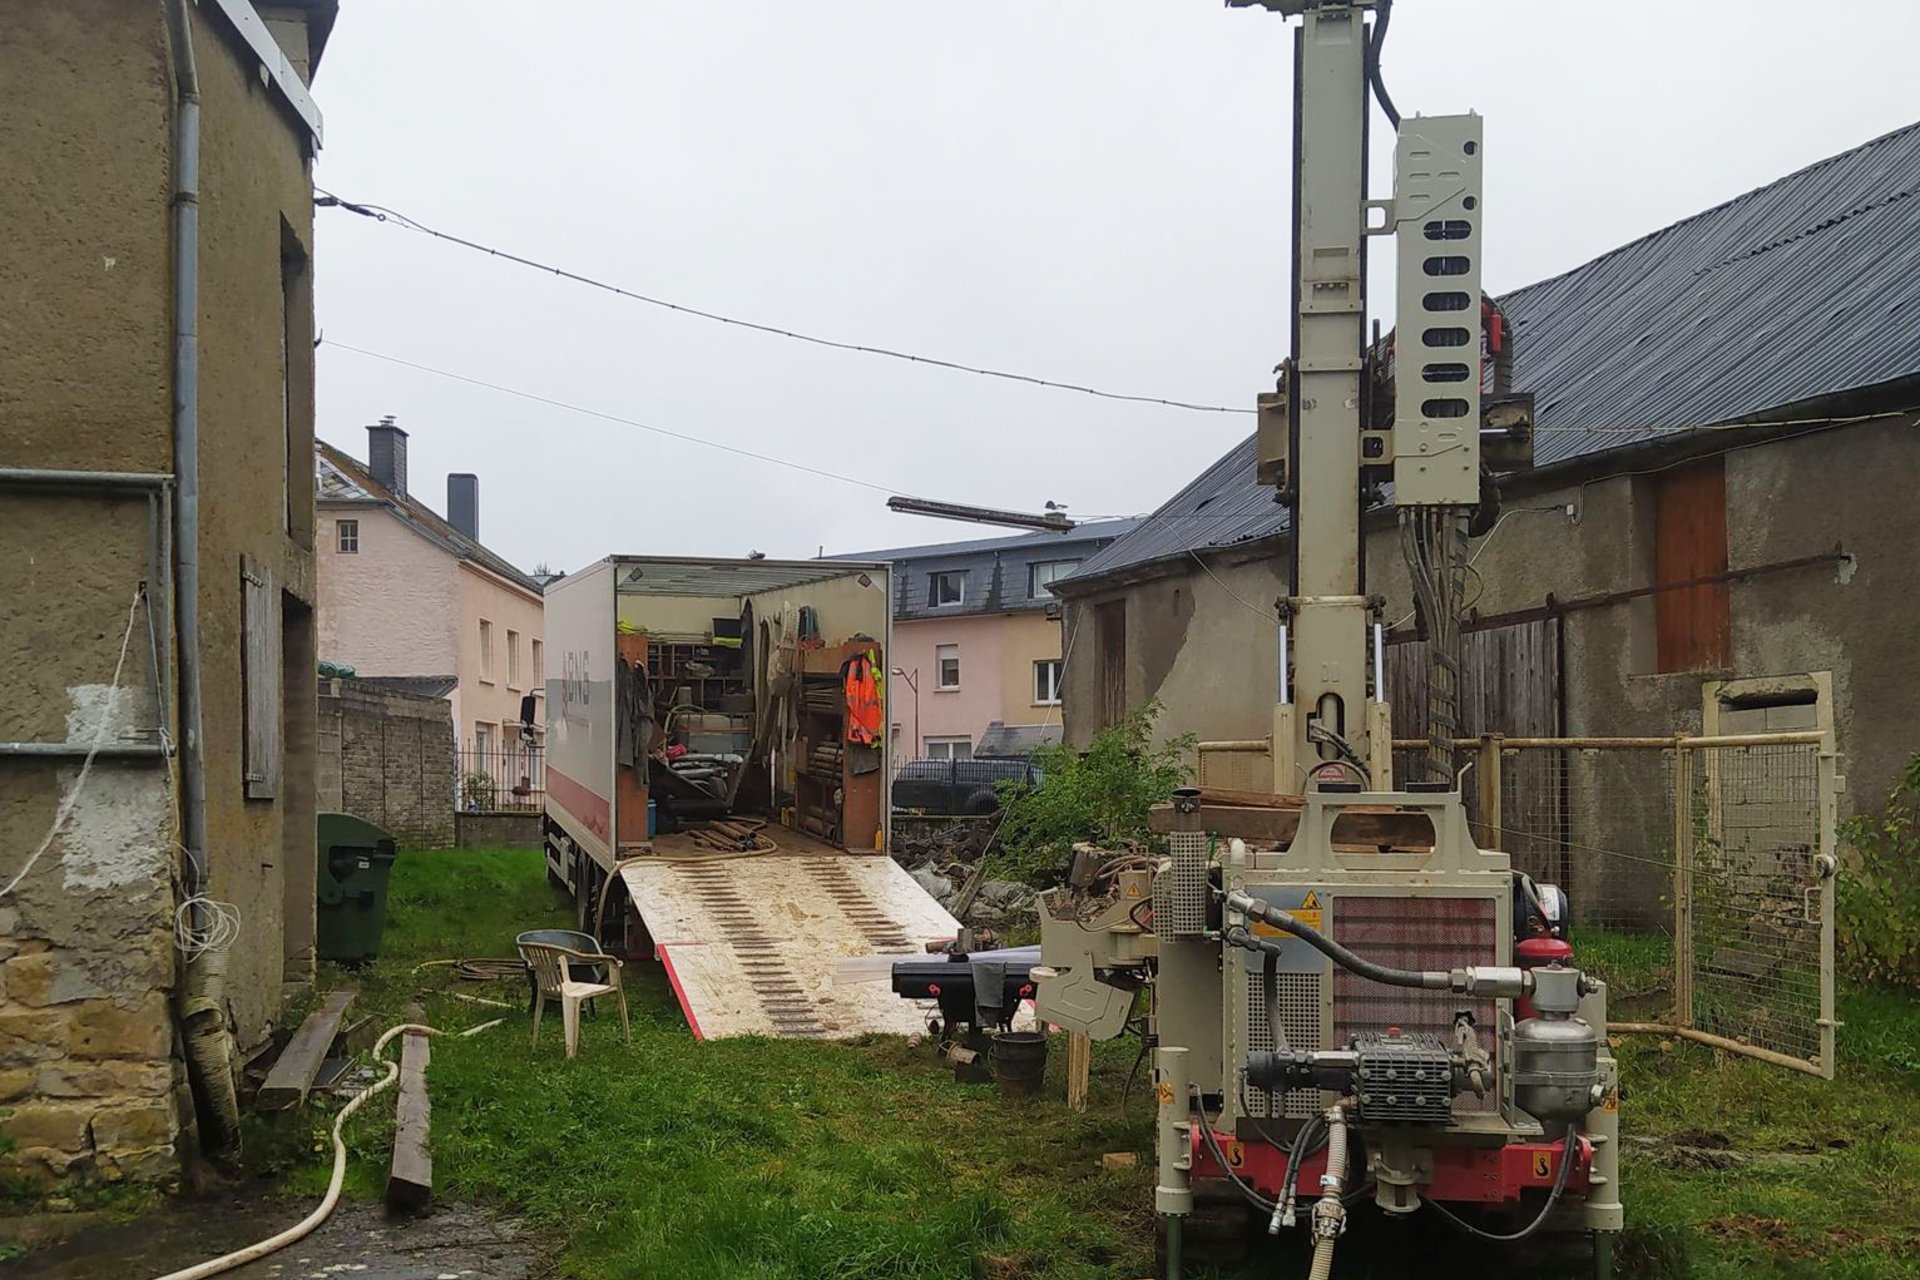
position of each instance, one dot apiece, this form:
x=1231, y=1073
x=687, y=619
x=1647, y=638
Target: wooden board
x=750, y=944
x=293, y=1071
x=410, y=1183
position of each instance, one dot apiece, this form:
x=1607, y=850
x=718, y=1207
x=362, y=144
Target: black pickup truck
x=948, y=787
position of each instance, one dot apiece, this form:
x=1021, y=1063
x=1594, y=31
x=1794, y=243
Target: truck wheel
x=584, y=889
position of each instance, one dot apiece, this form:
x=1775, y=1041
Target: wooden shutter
x=260, y=679
x=1693, y=624
x=1110, y=637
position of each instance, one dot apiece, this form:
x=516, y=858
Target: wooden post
x=1079, y=1069
x=1682, y=885
x=294, y=1070
x=1492, y=827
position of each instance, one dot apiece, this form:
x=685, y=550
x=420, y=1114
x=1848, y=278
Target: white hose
x=1329, y=1214
x=306, y=1226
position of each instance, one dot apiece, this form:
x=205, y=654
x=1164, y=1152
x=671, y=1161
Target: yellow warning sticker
x=1236, y=1155
x=1542, y=1164
x=1133, y=890
x=1613, y=1100
x=1307, y=913
x=1166, y=1094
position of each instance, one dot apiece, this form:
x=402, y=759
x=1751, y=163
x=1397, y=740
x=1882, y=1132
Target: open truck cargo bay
x=751, y=693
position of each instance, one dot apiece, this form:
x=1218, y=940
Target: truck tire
x=584, y=888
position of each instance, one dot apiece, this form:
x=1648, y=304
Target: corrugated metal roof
x=1017, y=741
x=1807, y=287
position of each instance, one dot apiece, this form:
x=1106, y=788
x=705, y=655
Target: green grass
x=678, y=1158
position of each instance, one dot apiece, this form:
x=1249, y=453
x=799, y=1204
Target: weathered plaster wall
x=390, y=609
x=86, y=1070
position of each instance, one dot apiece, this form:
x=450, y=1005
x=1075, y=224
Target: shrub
x=1101, y=795
x=476, y=790
x=1878, y=908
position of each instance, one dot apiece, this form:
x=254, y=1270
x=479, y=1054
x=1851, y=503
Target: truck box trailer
x=717, y=763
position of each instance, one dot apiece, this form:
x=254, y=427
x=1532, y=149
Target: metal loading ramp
x=750, y=944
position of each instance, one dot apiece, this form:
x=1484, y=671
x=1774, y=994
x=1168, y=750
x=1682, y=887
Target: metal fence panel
x=505, y=778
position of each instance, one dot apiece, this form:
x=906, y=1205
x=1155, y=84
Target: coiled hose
x=307, y=1225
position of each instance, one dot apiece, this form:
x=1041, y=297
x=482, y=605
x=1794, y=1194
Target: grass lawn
x=678, y=1158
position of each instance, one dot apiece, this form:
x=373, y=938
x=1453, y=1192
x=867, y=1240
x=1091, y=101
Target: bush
x=1101, y=795
x=1878, y=907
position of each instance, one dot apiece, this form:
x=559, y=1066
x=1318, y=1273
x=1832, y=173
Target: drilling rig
x=1349, y=999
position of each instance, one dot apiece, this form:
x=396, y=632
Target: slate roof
x=996, y=569
x=1017, y=741
x=1805, y=288
x=342, y=479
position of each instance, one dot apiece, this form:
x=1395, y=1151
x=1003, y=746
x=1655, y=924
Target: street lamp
x=913, y=683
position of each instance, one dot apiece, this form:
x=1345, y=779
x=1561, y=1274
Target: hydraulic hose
x=1421, y=979
x=307, y=1225
x=1374, y=46
x=1567, y=1154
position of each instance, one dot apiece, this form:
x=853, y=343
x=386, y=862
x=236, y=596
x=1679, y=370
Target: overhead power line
x=614, y=417
x=380, y=213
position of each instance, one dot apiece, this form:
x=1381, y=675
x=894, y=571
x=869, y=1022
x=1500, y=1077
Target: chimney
x=463, y=503
x=387, y=456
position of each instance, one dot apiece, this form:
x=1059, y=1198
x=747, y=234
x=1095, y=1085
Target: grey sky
x=1094, y=191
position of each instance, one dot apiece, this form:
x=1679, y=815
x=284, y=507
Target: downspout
x=202, y=1011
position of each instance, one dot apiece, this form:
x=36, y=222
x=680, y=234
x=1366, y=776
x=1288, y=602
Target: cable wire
x=1374, y=46
x=1514, y=1237
x=378, y=213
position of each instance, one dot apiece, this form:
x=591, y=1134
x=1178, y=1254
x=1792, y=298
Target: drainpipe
x=202, y=1011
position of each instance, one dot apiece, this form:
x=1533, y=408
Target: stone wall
x=498, y=830
x=387, y=756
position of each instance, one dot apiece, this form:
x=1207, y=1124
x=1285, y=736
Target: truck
x=687, y=689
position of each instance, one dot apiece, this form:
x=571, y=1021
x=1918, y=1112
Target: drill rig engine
x=1347, y=993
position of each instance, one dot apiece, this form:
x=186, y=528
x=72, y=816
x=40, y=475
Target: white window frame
x=929, y=751
x=1055, y=669
x=486, y=651
x=940, y=654
x=513, y=660
x=1036, y=589
x=539, y=665
x=958, y=578
x=346, y=537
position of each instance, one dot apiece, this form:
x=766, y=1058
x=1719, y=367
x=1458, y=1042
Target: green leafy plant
x=476, y=791
x=1102, y=794
x=1879, y=888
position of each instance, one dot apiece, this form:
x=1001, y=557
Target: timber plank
x=294, y=1070
x=410, y=1183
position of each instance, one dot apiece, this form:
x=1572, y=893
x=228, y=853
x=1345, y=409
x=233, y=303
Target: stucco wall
x=961, y=713
x=479, y=700
x=391, y=608
x=1026, y=638
x=85, y=383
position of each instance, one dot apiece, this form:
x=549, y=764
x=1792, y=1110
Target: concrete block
x=61, y=1126
x=32, y=1035
x=140, y=1126
x=103, y=1029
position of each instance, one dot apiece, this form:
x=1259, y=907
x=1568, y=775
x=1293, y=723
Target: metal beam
x=79, y=750
x=46, y=478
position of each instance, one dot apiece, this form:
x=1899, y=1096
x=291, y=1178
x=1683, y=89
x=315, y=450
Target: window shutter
x=260, y=680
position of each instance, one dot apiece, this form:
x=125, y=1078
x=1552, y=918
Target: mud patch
x=360, y=1242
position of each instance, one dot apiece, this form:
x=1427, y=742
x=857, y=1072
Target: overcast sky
x=1092, y=191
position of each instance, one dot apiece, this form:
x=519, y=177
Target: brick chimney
x=463, y=503
x=387, y=456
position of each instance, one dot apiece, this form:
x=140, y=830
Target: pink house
x=406, y=594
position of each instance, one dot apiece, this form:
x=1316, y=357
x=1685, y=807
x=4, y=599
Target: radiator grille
x=1180, y=895
x=1299, y=1018
x=1414, y=933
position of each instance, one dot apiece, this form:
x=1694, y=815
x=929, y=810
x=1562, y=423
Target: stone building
x=156, y=567
x=1721, y=503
